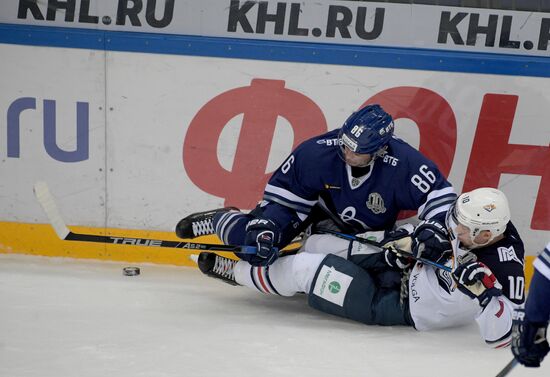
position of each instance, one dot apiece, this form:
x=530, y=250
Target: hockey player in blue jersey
x=529, y=343
x=360, y=176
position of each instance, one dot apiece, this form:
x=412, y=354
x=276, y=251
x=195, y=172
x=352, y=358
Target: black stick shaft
x=377, y=244
x=149, y=242
x=507, y=368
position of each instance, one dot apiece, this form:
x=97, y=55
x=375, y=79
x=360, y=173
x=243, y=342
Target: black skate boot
x=216, y=266
x=200, y=223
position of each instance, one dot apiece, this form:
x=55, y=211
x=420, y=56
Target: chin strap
x=476, y=245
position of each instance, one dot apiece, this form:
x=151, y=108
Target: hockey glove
x=386, y=242
x=397, y=260
x=477, y=281
x=529, y=344
x=431, y=241
x=394, y=244
x=264, y=234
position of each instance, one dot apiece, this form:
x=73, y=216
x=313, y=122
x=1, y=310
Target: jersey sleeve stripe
x=437, y=194
x=226, y=224
x=435, y=211
x=437, y=198
x=542, y=263
x=298, y=208
x=436, y=205
x=289, y=196
x=545, y=256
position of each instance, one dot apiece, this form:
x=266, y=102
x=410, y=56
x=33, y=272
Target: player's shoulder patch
x=508, y=254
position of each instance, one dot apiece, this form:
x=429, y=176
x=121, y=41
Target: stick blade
x=45, y=198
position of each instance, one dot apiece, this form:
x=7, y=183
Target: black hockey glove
x=264, y=234
x=477, y=281
x=529, y=344
x=431, y=241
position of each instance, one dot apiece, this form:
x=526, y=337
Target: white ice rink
x=65, y=318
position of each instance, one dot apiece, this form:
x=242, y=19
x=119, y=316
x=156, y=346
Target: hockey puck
x=130, y=271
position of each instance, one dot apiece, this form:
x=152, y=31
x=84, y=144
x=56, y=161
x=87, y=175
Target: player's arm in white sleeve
x=494, y=319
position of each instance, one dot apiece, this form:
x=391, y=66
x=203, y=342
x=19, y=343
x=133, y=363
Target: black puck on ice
x=130, y=271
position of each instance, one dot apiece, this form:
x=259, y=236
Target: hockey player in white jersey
x=529, y=343
x=487, y=252
x=360, y=176
x=488, y=258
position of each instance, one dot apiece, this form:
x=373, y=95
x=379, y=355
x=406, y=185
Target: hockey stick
x=47, y=202
x=507, y=368
x=378, y=244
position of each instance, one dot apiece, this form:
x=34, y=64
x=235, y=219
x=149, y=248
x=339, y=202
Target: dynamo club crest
x=375, y=203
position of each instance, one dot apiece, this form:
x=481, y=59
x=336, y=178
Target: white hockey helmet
x=483, y=209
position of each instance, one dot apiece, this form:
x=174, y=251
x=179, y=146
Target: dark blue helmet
x=367, y=130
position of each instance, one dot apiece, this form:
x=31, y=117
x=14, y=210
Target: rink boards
x=132, y=131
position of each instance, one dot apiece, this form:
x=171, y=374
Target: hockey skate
x=216, y=266
x=200, y=223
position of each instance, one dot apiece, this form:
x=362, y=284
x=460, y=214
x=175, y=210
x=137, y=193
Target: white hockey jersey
x=436, y=302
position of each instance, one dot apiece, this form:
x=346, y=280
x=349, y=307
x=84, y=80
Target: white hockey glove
x=477, y=281
x=395, y=243
x=399, y=238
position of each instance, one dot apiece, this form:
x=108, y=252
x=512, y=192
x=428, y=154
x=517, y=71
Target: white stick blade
x=45, y=198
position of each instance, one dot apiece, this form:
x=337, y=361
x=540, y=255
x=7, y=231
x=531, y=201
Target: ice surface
x=62, y=317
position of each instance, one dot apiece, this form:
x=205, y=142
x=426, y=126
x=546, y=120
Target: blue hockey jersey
x=402, y=179
x=537, y=307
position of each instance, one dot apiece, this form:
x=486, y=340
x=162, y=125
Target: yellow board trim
x=40, y=239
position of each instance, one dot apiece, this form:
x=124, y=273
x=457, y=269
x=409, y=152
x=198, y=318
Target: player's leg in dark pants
x=344, y=289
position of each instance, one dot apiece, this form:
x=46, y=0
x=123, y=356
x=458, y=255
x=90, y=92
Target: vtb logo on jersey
x=508, y=254
x=375, y=203
x=329, y=142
